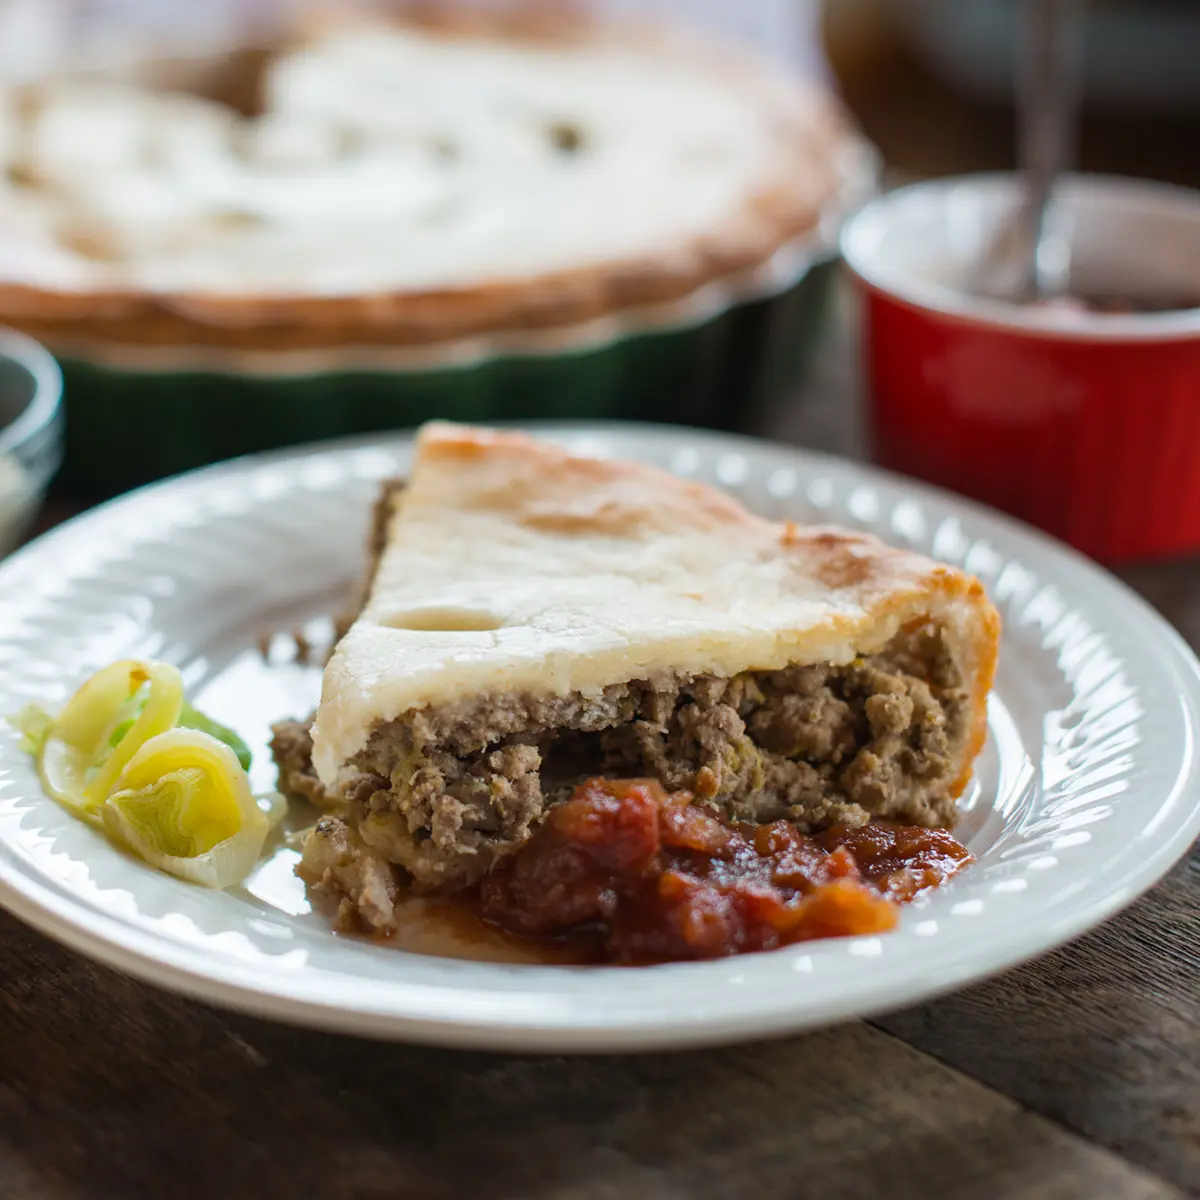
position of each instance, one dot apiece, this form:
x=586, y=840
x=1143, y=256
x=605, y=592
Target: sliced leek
x=183, y=803
x=191, y=718
x=164, y=780
x=80, y=762
x=34, y=724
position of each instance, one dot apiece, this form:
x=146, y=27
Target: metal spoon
x=1031, y=259
x=1048, y=90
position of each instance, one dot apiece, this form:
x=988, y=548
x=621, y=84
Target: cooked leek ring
x=183, y=803
x=79, y=762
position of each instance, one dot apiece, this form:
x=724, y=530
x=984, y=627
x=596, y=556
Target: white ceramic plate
x=1086, y=794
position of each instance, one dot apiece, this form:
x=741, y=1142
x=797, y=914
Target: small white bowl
x=30, y=431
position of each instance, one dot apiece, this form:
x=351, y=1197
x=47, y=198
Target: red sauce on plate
x=627, y=873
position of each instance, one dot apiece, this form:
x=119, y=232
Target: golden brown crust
x=986, y=651
x=278, y=323
x=523, y=20
x=539, y=486
x=381, y=519
x=553, y=492
x=542, y=488
x=810, y=133
x=572, y=573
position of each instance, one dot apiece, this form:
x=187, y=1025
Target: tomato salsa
x=639, y=875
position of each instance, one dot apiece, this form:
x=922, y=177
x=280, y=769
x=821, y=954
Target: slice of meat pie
x=536, y=617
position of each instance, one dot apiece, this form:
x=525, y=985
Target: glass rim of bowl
x=43, y=405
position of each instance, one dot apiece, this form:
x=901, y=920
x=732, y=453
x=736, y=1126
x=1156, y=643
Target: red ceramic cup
x=1084, y=423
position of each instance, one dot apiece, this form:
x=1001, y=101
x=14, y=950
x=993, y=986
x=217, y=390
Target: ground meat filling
x=445, y=793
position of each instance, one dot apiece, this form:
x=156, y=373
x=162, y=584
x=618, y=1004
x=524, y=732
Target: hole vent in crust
x=567, y=137
x=443, y=620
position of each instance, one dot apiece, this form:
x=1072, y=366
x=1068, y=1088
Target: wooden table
x=1075, y=1077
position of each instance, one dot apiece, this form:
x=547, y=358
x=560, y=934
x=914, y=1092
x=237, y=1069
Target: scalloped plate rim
x=316, y=997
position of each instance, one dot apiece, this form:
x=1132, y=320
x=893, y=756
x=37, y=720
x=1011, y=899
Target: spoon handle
x=1048, y=84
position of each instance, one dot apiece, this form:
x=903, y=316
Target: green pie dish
x=127, y=425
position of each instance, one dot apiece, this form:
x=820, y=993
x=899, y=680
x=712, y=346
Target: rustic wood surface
x=111, y=1088
x=1077, y=1076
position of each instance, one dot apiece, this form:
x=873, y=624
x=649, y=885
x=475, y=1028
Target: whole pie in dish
x=406, y=183
x=534, y=619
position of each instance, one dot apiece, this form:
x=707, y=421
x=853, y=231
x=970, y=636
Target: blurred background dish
x=458, y=210
x=31, y=429
x=946, y=112
x=1138, y=53
x=753, y=332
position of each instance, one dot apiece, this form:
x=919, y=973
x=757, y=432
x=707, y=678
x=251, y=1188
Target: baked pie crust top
x=405, y=184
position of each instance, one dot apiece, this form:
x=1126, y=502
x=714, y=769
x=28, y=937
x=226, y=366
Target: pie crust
x=507, y=564
x=640, y=165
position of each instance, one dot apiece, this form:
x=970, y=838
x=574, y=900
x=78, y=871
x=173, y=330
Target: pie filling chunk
x=533, y=619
